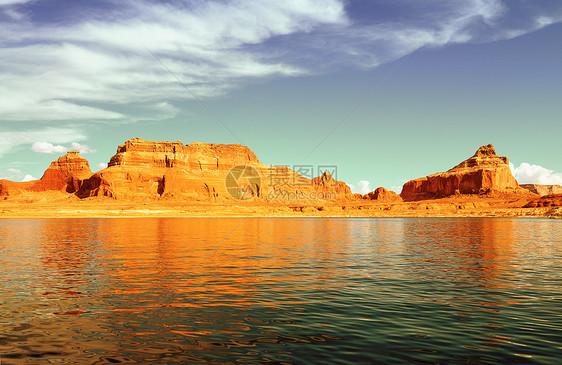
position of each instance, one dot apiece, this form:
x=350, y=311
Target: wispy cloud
x=46, y=147
x=67, y=72
x=88, y=65
x=12, y=140
x=15, y=175
x=430, y=23
x=12, y=2
x=528, y=173
x=9, y=8
x=10, y=174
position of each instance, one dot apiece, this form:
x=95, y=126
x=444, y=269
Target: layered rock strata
x=483, y=173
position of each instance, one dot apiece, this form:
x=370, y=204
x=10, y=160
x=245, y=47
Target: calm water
x=281, y=291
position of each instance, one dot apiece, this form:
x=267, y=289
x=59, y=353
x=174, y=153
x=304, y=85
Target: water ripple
x=280, y=291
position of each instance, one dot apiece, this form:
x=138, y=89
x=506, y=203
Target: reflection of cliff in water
x=181, y=259
x=478, y=248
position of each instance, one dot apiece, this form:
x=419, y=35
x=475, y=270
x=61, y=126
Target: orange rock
x=483, y=173
x=65, y=174
x=327, y=183
x=200, y=171
x=543, y=189
x=383, y=195
x=554, y=200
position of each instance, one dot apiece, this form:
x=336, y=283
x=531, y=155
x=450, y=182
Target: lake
x=281, y=290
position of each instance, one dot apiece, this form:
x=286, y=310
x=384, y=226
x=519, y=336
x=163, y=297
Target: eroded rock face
x=543, y=190
x=483, y=173
x=65, y=174
x=154, y=169
x=554, y=200
x=383, y=195
x=195, y=156
x=327, y=183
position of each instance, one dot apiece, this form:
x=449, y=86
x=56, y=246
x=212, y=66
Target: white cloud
x=431, y=23
x=101, y=166
x=10, y=8
x=10, y=141
x=10, y=174
x=534, y=174
x=67, y=72
x=82, y=148
x=28, y=178
x=13, y=2
x=46, y=147
x=98, y=69
x=362, y=187
x=396, y=188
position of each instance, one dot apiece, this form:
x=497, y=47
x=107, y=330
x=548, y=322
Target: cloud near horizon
x=11, y=141
x=85, y=64
x=10, y=174
x=46, y=147
x=101, y=165
x=362, y=187
x=528, y=173
x=15, y=175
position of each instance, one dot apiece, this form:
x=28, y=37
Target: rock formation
x=383, y=195
x=483, y=173
x=554, y=200
x=543, y=189
x=326, y=183
x=65, y=174
x=201, y=171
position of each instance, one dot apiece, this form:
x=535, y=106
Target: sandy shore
x=63, y=206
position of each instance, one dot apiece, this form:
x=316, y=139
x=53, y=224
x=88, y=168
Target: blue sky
x=411, y=87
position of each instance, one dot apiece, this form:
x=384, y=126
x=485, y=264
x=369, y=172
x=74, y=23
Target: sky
x=384, y=90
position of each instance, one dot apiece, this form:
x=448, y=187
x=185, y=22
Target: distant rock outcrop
x=543, y=190
x=326, y=183
x=65, y=174
x=483, y=173
x=383, y=195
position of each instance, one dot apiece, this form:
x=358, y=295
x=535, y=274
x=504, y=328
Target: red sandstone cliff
x=326, y=183
x=383, y=195
x=65, y=174
x=202, y=171
x=483, y=173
